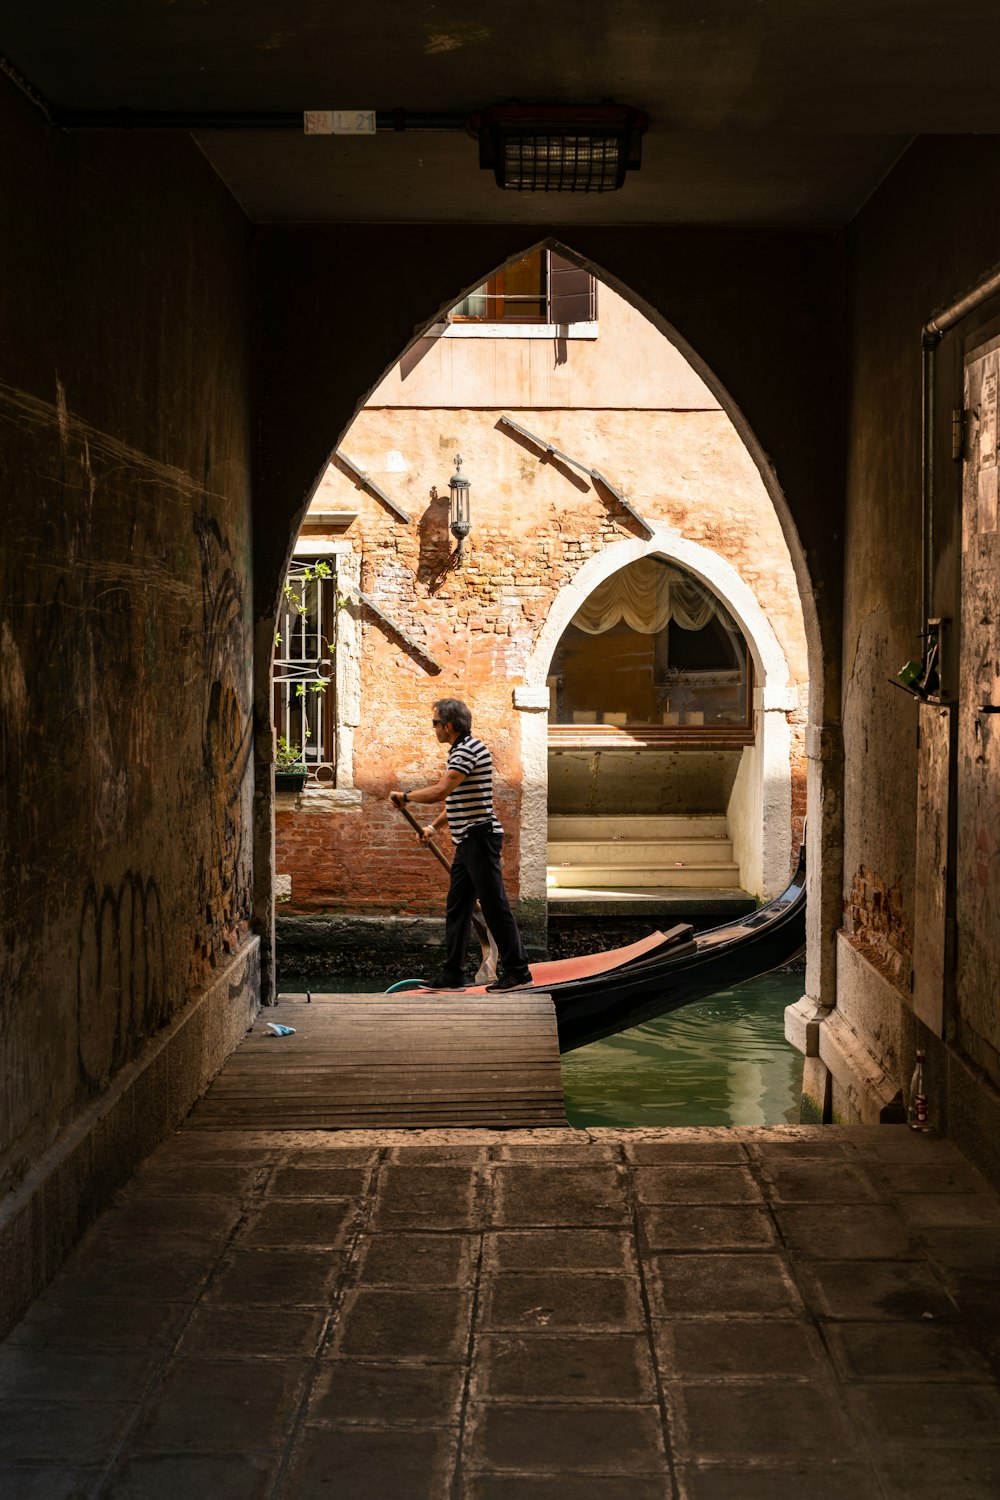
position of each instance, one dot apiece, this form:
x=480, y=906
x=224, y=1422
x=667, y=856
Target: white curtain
x=647, y=595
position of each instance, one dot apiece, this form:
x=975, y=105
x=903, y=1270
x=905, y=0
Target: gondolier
x=466, y=788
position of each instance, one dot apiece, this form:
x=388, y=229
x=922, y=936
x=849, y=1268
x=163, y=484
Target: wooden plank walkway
x=364, y=1061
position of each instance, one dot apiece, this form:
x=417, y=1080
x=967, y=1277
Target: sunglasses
x=436, y=723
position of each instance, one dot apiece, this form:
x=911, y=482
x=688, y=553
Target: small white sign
x=395, y=463
x=339, y=121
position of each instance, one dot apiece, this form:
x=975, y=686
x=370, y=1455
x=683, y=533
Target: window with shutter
x=542, y=287
x=572, y=292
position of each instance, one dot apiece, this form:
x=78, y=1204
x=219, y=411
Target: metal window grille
x=304, y=675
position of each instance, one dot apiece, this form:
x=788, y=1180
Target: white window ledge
x=321, y=800
x=320, y=546
x=512, y=331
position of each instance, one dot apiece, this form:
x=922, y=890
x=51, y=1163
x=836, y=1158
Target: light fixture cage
x=560, y=149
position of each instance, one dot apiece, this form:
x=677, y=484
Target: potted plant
x=290, y=771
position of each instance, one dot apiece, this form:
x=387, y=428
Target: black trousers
x=476, y=874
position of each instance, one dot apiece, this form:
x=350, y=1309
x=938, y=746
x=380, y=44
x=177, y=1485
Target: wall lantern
x=559, y=148
x=460, y=507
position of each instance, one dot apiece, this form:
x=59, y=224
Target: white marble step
x=573, y=827
x=621, y=851
x=601, y=877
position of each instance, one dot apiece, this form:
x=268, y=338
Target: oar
x=487, y=970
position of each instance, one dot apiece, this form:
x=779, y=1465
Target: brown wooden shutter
x=572, y=292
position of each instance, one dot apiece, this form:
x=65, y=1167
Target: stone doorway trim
x=766, y=867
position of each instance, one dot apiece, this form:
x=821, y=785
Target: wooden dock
x=405, y=1060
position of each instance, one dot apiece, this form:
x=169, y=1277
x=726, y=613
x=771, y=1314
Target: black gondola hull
x=715, y=960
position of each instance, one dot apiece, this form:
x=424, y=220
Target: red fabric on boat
x=587, y=965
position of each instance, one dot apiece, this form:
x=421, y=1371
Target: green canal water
x=723, y=1061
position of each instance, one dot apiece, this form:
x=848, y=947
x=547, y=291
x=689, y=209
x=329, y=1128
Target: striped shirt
x=472, y=802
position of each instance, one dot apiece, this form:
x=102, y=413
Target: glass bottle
x=916, y=1114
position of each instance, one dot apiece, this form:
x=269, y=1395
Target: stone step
x=621, y=851
x=600, y=877
x=576, y=826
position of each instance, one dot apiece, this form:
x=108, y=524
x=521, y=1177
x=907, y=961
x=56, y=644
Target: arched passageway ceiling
x=762, y=309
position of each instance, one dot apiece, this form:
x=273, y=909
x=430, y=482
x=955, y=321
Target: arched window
x=652, y=650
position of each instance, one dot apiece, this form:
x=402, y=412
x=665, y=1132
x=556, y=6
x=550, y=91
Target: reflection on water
x=723, y=1061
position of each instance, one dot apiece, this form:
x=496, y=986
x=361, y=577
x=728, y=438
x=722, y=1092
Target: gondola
x=599, y=994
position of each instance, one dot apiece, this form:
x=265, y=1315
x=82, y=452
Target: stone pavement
x=561, y=1315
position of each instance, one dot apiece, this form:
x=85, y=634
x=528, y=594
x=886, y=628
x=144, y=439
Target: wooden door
x=977, y=790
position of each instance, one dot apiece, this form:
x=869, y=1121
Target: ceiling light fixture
x=560, y=148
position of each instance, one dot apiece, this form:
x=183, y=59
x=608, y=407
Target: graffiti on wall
x=120, y=973
x=225, y=872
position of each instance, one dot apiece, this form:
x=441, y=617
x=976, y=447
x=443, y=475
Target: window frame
x=288, y=673
x=496, y=292
x=553, y=266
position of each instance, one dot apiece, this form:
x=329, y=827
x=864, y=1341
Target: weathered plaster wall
x=926, y=238
x=624, y=362
x=125, y=614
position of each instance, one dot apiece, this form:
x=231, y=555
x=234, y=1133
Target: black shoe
x=442, y=982
x=520, y=980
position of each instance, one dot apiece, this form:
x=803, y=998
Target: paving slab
x=928, y=1415
x=520, y=1315
x=565, y=1439
x=905, y=1351
x=379, y=1395
x=419, y=1195
x=514, y=1486
x=688, y=1182
x=700, y=1349
x=606, y=1368
x=267, y=1332
x=723, y=1286
x=957, y=1473
x=749, y=1481
x=558, y=1299
x=673, y=1152
x=739, y=1420
x=207, y=1405
x=707, y=1227
x=900, y=1289
x=168, y=1476
x=381, y=1323
x=47, y=1484
x=546, y=1249
x=404, y=1260
x=535, y=1194
x=317, y=1182
x=357, y=1463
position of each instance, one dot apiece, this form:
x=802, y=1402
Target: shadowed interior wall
x=926, y=238
x=125, y=669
